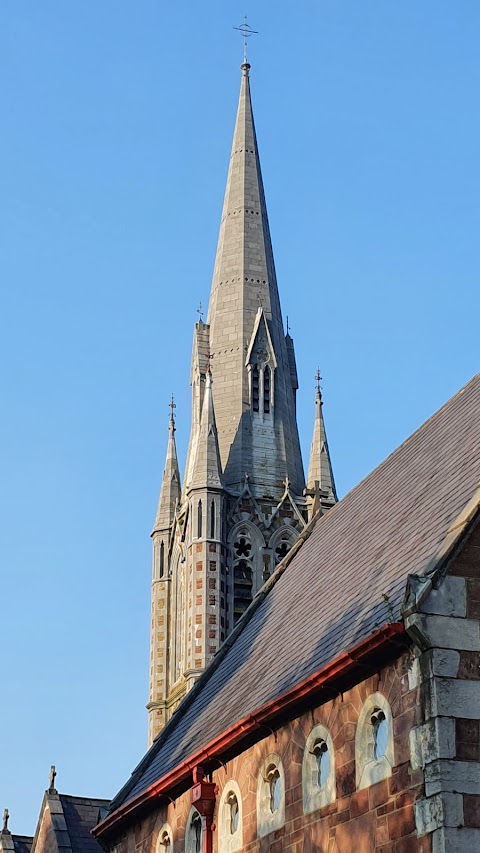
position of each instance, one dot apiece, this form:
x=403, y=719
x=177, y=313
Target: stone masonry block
x=460, y=840
x=444, y=662
x=431, y=741
x=444, y=632
x=453, y=697
x=440, y=810
x=450, y=599
x=457, y=776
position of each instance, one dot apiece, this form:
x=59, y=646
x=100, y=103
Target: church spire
x=320, y=482
x=170, y=490
x=244, y=281
x=207, y=469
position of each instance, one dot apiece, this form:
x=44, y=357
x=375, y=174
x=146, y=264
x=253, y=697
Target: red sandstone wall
x=379, y=819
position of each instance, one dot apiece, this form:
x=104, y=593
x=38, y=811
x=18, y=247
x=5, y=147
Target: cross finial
x=318, y=379
x=172, y=406
x=246, y=31
x=200, y=312
x=6, y=816
x=53, y=773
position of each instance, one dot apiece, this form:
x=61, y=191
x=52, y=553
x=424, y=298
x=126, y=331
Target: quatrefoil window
x=243, y=547
x=281, y=550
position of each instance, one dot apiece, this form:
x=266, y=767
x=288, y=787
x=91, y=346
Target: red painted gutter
x=339, y=667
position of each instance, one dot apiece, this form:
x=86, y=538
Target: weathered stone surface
x=450, y=599
x=453, y=697
x=443, y=662
x=440, y=810
x=444, y=632
x=462, y=840
x=433, y=740
x=447, y=775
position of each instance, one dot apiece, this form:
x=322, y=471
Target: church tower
x=244, y=499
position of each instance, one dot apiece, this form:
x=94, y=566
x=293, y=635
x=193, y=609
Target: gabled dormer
x=261, y=365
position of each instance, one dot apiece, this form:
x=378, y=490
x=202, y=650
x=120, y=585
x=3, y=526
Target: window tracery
x=318, y=771
x=374, y=744
x=246, y=552
x=230, y=819
x=165, y=842
x=270, y=796
x=194, y=833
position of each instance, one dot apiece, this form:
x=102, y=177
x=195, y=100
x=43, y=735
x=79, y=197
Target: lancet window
x=261, y=389
x=256, y=389
x=162, y=559
x=212, y=520
x=246, y=573
x=266, y=391
x=199, y=520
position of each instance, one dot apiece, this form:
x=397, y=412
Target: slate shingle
x=81, y=815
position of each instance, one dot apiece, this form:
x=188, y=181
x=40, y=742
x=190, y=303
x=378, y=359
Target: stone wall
x=377, y=819
x=447, y=745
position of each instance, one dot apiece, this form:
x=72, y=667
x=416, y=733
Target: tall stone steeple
x=243, y=502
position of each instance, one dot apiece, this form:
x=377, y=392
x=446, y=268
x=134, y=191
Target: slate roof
x=331, y=595
x=81, y=815
x=22, y=843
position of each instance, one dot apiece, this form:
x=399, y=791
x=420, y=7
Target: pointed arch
x=212, y=519
x=199, y=520
x=267, y=390
x=246, y=576
x=255, y=389
x=162, y=559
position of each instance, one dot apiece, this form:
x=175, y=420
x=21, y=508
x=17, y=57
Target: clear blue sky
x=115, y=131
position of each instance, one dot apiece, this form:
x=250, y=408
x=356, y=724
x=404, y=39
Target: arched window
x=255, y=389
x=199, y=520
x=230, y=819
x=270, y=796
x=194, y=833
x=318, y=770
x=380, y=733
x=212, y=520
x=374, y=744
x=275, y=784
x=266, y=390
x=165, y=842
x=162, y=559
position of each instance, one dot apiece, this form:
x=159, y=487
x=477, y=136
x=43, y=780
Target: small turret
x=207, y=468
x=170, y=491
x=320, y=491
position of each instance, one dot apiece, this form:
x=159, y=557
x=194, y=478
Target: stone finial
x=51, y=781
x=6, y=816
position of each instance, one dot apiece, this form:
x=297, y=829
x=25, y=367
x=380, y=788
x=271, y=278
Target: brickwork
x=378, y=819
